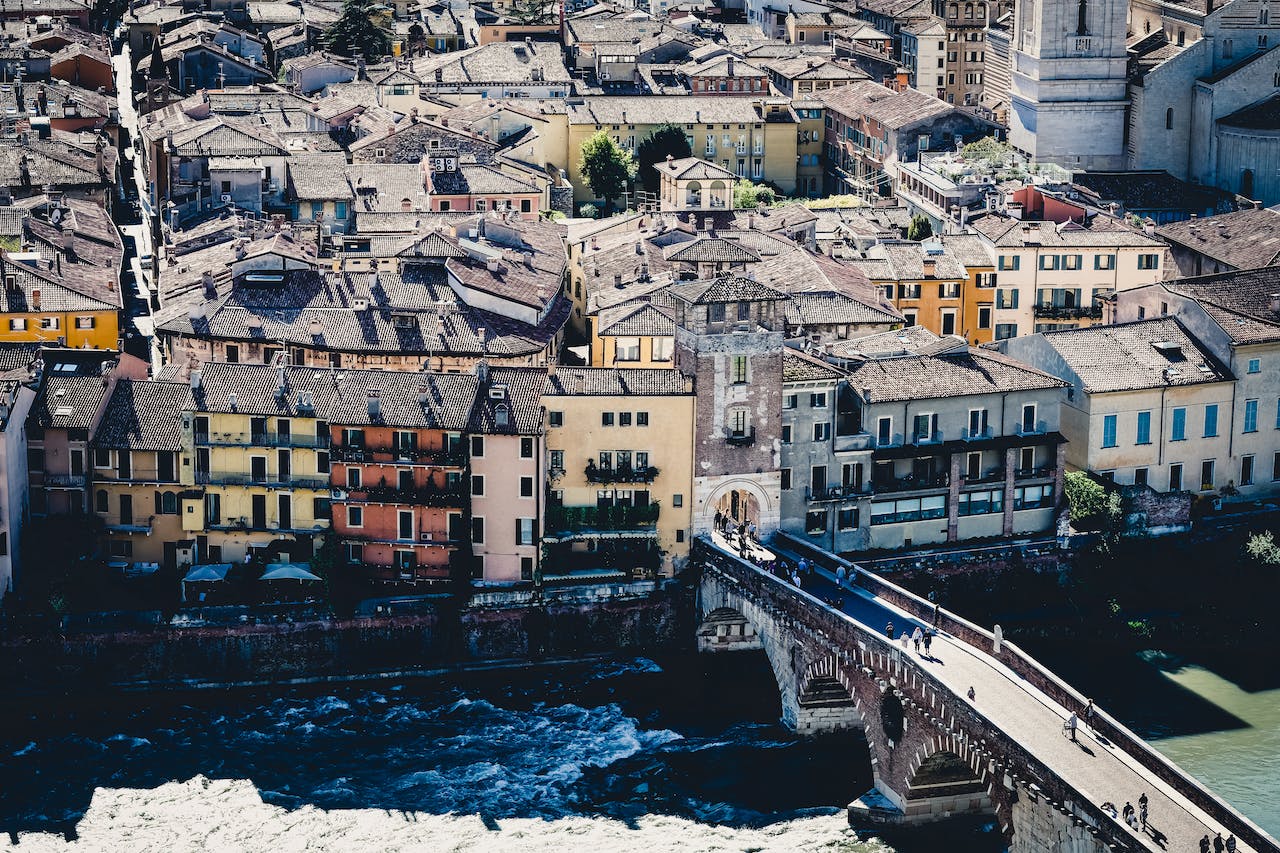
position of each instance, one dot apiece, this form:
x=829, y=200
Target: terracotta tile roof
x=1147, y=354
x=1246, y=239
x=144, y=415
x=958, y=374
x=616, y=382
x=1239, y=301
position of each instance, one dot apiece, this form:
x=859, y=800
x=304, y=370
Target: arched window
x=100, y=501
x=501, y=415
x=169, y=503
x=1146, y=26
x=405, y=205
x=1264, y=15
x=1168, y=119
x=1276, y=80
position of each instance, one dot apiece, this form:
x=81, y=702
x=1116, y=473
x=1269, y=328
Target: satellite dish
x=225, y=198
x=55, y=215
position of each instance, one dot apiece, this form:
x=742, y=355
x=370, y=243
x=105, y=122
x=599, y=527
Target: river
x=632, y=755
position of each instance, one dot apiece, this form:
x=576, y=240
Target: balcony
x=1042, y=472
x=741, y=439
x=260, y=439
x=856, y=441
x=836, y=493
x=995, y=475
x=266, y=526
x=911, y=483
x=967, y=434
x=1037, y=428
x=741, y=150
x=930, y=437
x=455, y=458
x=134, y=526
x=1061, y=312
x=425, y=539
x=432, y=496
x=572, y=519
x=64, y=481
x=620, y=475
x=237, y=478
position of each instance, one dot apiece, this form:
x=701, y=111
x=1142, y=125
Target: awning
x=288, y=572
x=208, y=572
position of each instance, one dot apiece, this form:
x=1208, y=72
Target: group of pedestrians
x=744, y=531
x=920, y=637
x=1218, y=844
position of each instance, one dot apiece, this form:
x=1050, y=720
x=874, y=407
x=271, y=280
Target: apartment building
x=903, y=440
x=1148, y=403
x=922, y=280
x=398, y=470
x=1236, y=317
x=620, y=470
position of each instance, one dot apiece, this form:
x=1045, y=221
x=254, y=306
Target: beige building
x=620, y=469
x=1149, y=404
x=751, y=138
x=1054, y=263
x=1236, y=317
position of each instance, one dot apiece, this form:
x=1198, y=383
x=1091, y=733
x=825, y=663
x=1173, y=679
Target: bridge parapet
x=932, y=719
x=1043, y=679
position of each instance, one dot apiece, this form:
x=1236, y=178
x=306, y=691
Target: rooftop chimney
x=35, y=298
x=617, y=279
x=424, y=394
x=196, y=377
x=930, y=267
x=233, y=401
x=375, y=404
x=1275, y=302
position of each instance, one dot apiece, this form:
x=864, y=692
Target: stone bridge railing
x=1048, y=683
x=1005, y=760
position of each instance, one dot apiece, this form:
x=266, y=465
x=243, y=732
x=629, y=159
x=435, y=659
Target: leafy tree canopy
x=747, y=194
x=663, y=140
x=607, y=166
x=356, y=33
x=920, y=228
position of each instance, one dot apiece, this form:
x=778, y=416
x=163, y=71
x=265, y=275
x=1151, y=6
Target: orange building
x=398, y=464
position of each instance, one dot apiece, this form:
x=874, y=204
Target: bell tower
x=729, y=339
x=159, y=89
x=1068, y=91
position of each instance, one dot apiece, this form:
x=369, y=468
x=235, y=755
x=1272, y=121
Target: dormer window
x=501, y=415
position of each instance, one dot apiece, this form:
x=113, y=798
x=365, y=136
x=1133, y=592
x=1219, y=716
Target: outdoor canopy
x=208, y=572
x=287, y=572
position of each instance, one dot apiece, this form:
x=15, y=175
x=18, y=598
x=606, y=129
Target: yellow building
x=978, y=293
x=636, y=334
x=752, y=138
x=923, y=280
x=136, y=475
x=620, y=457
x=809, y=148
x=38, y=309
x=262, y=458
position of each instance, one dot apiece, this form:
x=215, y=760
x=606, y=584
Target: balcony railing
x=456, y=458
x=70, y=481
x=930, y=437
x=266, y=525
x=620, y=475
x=425, y=539
x=236, y=478
x=1037, y=428
x=260, y=439
x=856, y=441
x=1060, y=312
x=836, y=493
x=1041, y=472
x=433, y=496
x=967, y=434
x=575, y=518
x=911, y=482
x=741, y=439
x=995, y=475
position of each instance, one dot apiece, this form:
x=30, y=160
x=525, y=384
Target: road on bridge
x=1098, y=770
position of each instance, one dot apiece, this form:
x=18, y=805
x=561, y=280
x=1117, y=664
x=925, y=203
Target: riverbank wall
x=204, y=649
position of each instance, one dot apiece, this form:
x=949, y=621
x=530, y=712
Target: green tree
x=531, y=12
x=588, y=211
x=663, y=140
x=356, y=33
x=747, y=194
x=989, y=149
x=920, y=228
x=607, y=166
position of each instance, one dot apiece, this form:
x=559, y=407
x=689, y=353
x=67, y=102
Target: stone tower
x=729, y=339
x=1068, y=93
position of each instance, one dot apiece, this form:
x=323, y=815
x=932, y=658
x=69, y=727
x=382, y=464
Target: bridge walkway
x=1095, y=767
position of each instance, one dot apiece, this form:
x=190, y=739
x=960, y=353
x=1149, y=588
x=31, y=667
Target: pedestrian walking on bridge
x=1204, y=844
x=1142, y=809
x=888, y=631
x=1218, y=844
x=841, y=575
x=1231, y=843
x=1072, y=723
x=916, y=637
x=928, y=641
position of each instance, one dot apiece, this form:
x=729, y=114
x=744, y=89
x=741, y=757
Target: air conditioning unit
x=338, y=494
x=426, y=537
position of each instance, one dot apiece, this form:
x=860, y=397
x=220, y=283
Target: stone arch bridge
x=935, y=753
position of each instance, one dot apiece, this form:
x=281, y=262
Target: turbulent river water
x=609, y=756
